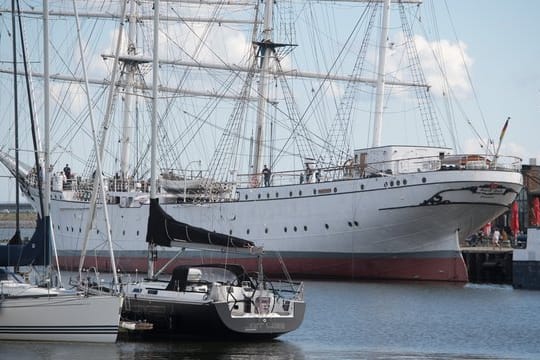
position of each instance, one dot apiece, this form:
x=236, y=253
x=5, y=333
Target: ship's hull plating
x=392, y=227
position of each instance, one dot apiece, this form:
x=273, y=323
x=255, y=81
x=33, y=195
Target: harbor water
x=359, y=320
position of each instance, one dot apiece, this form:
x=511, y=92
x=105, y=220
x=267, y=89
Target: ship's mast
x=265, y=50
x=129, y=68
x=377, y=123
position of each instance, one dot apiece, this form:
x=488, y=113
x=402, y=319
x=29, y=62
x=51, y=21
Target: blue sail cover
x=34, y=252
x=162, y=229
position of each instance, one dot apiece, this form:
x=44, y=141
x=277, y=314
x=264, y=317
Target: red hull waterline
x=450, y=268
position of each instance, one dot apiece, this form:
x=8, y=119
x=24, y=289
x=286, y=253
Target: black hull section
x=526, y=275
x=204, y=321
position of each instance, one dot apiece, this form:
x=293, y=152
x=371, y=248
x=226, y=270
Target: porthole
x=247, y=231
x=277, y=194
x=300, y=193
x=391, y=183
x=266, y=231
x=58, y=226
x=424, y=179
x=404, y=181
x=72, y=229
x=97, y=231
x=285, y=229
x=246, y=196
x=335, y=190
x=290, y=193
x=295, y=229
x=268, y=195
x=385, y=184
x=80, y=230
x=326, y=226
x=305, y=227
x=258, y=196
x=67, y=228
x=350, y=224
x=124, y=232
x=355, y=223
x=230, y=232
x=314, y=191
x=362, y=187
x=398, y=183
x=137, y=232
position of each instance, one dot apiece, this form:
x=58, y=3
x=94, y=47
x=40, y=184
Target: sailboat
x=47, y=312
x=392, y=210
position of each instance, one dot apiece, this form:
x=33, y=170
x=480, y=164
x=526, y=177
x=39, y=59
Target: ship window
x=362, y=187
x=335, y=190
x=285, y=229
x=305, y=228
x=350, y=224
x=355, y=223
x=424, y=179
x=247, y=231
x=124, y=232
x=300, y=193
x=246, y=196
x=268, y=195
x=391, y=183
x=314, y=191
x=266, y=231
x=137, y=232
x=58, y=226
x=404, y=181
x=67, y=228
x=277, y=194
x=79, y=230
x=295, y=228
x=290, y=193
x=326, y=226
x=258, y=196
x=97, y=231
x=398, y=183
x=386, y=184
x=230, y=232
x=152, y=291
x=72, y=229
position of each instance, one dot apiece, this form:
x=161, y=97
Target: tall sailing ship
x=232, y=100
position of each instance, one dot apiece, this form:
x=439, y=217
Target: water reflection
x=154, y=350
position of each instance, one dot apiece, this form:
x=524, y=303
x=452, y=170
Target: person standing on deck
x=266, y=174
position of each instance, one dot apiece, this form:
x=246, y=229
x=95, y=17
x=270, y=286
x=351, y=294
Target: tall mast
x=49, y=235
x=17, y=237
x=266, y=47
x=377, y=123
x=130, y=67
x=153, y=135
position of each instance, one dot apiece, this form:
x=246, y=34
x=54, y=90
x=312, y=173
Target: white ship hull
x=392, y=227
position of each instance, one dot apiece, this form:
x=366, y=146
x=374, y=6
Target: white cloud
x=444, y=64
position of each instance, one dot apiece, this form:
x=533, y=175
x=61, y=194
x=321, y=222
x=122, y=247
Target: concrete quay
x=488, y=264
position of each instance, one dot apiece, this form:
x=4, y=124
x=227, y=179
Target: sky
x=500, y=40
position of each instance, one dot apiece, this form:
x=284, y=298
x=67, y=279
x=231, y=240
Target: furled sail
x=165, y=231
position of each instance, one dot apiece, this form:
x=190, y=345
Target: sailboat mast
x=46, y=136
x=130, y=67
x=265, y=50
x=377, y=123
x=17, y=236
x=153, y=135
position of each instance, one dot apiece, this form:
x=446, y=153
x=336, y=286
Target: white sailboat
x=45, y=312
x=331, y=210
